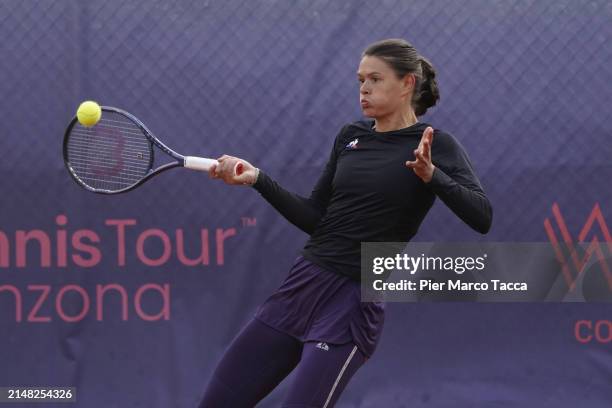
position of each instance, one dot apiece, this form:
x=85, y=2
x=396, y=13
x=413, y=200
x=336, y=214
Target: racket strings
x=112, y=155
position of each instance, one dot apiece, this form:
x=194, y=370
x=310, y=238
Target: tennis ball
x=89, y=113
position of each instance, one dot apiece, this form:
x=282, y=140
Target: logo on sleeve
x=352, y=144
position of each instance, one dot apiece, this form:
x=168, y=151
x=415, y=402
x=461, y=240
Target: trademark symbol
x=248, y=221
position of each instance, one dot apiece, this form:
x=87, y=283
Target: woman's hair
x=404, y=59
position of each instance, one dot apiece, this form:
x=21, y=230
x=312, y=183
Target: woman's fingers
x=428, y=142
x=238, y=168
x=426, y=151
x=418, y=161
x=422, y=164
x=420, y=157
x=422, y=153
x=426, y=138
x=427, y=134
x=219, y=170
x=232, y=170
x=213, y=171
x=228, y=169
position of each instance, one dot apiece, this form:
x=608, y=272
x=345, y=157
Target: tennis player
x=382, y=177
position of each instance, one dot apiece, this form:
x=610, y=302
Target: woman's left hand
x=422, y=166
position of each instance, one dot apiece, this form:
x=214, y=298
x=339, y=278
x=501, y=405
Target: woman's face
x=380, y=91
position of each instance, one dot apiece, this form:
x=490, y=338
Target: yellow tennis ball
x=89, y=113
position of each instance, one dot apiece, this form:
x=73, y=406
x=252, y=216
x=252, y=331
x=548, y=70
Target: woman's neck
x=395, y=121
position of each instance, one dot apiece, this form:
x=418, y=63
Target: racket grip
x=199, y=163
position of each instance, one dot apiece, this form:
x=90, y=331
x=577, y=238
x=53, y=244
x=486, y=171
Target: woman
x=368, y=191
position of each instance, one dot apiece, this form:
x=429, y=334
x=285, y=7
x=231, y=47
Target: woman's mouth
x=365, y=103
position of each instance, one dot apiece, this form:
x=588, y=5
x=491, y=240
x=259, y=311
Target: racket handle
x=199, y=163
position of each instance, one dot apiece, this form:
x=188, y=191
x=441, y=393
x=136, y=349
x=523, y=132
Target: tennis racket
x=117, y=154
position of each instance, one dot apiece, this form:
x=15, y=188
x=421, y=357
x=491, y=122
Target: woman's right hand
x=234, y=170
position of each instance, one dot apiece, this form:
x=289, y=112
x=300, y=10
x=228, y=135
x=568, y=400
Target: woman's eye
x=374, y=80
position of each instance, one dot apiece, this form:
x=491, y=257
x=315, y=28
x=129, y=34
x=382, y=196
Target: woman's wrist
x=256, y=176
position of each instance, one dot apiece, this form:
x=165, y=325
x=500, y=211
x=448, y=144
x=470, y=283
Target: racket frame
x=179, y=158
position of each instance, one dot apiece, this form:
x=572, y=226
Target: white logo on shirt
x=353, y=144
x=323, y=346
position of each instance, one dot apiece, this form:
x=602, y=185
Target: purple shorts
x=314, y=304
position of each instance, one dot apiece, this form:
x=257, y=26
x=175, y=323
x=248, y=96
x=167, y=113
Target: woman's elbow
x=309, y=224
x=486, y=220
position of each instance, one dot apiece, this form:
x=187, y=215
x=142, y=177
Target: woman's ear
x=408, y=83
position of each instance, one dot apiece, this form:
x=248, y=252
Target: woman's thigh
x=322, y=374
x=256, y=361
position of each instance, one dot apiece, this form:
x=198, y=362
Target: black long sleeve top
x=367, y=194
